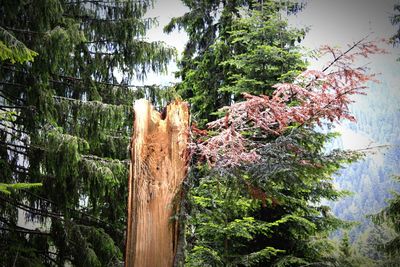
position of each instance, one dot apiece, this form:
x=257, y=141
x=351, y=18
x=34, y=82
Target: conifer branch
x=104, y=160
x=8, y=110
x=15, y=151
x=32, y=209
x=91, y=217
x=6, y=97
x=12, y=84
x=12, y=107
x=44, y=254
x=100, y=41
x=12, y=99
x=85, y=101
x=22, y=30
x=97, y=2
x=73, y=79
x=12, y=134
x=325, y=97
x=14, y=145
x=22, y=230
x=77, y=79
x=25, y=174
x=104, y=53
x=19, y=169
x=12, y=128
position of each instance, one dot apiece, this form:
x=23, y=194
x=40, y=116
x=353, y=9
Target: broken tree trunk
x=159, y=163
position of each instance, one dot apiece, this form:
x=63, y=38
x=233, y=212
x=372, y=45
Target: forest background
x=73, y=121
x=340, y=23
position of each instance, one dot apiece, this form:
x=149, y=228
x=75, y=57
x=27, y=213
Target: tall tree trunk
x=159, y=163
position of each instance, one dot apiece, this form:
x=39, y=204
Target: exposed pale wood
x=158, y=167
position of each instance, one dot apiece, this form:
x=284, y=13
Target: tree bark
x=159, y=164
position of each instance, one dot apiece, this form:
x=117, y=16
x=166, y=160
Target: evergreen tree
x=348, y=256
x=345, y=246
x=390, y=215
x=368, y=242
x=261, y=204
x=14, y=51
x=270, y=213
x=395, y=19
x=68, y=125
x=217, y=58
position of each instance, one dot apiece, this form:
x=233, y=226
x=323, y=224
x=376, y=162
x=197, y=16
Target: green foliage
x=265, y=52
x=13, y=50
x=345, y=245
x=368, y=242
x=235, y=47
x=92, y=246
x=346, y=254
x=390, y=215
x=69, y=123
x=223, y=225
x=7, y=115
x=8, y=188
x=269, y=213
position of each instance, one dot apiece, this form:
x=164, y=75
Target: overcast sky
x=333, y=22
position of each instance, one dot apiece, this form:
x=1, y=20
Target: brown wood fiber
x=158, y=168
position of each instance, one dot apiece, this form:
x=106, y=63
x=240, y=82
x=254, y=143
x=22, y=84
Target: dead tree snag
x=159, y=162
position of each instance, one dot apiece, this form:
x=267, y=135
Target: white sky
x=344, y=21
x=333, y=22
x=341, y=22
x=165, y=10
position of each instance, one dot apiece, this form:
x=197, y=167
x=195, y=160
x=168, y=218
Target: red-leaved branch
x=314, y=96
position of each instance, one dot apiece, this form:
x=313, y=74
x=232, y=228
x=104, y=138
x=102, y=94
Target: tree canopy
x=258, y=201
x=390, y=215
x=67, y=76
x=260, y=174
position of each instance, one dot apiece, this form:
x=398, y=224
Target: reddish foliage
x=196, y=131
x=314, y=96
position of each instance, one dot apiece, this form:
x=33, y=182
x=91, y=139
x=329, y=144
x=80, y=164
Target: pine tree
x=395, y=19
x=260, y=203
x=68, y=127
x=269, y=213
x=216, y=51
x=390, y=216
x=14, y=51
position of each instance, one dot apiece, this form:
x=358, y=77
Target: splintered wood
x=159, y=163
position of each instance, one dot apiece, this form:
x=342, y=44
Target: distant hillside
x=378, y=123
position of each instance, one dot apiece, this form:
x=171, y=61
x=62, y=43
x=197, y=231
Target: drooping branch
x=64, y=79
x=13, y=145
x=12, y=128
x=24, y=231
x=82, y=214
x=32, y=210
x=15, y=150
x=25, y=31
x=104, y=160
